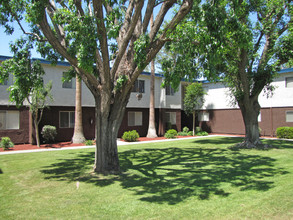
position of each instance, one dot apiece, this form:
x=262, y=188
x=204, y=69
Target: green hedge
x=285, y=132
x=171, y=133
x=130, y=136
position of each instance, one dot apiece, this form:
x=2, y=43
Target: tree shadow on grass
x=172, y=175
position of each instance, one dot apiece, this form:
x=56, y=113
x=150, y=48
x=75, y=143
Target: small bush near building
x=171, y=133
x=185, y=130
x=49, y=133
x=6, y=143
x=190, y=133
x=130, y=136
x=182, y=133
x=202, y=133
x=285, y=132
x=89, y=142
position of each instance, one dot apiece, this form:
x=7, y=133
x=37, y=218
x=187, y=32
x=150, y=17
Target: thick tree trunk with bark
x=250, y=111
x=78, y=136
x=108, y=120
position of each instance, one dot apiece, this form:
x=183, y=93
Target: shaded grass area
x=199, y=178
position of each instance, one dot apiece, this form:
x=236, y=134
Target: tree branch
x=160, y=17
x=127, y=21
x=79, y=7
x=148, y=13
x=156, y=45
x=127, y=37
x=58, y=28
x=103, y=39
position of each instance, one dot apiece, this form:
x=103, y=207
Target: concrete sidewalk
x=122, y=143
x=119, y=143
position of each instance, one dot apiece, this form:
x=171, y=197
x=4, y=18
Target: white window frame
x=289, y=82
x=203, y=116
x=70, y=123
x=9, y=120
x=289, y=116
x=169, y=90
x=171, y=117
x=137, y=120
x=259, y=117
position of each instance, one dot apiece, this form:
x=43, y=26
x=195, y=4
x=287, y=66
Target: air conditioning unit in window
x=139, y=96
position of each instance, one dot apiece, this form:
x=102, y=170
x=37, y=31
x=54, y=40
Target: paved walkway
x=120, y=143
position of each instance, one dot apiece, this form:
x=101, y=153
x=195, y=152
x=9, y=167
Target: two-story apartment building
x=17, y=123
x=220, y=116
x=217, y=115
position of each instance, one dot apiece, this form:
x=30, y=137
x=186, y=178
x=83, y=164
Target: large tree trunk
x=78, y=136
x=108, y=121
x=250, y=111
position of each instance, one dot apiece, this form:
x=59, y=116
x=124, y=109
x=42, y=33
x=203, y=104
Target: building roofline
x=287, y=70
x=43, y=61
x=65, y=63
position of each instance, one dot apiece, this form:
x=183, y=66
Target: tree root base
x=250, y=145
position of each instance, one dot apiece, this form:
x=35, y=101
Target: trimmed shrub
x=130, y=136
x=49, y=133
x=285, y=132
x=190, y=133
x=171, y=133
x=89, y=142
x=202, y=133
x=182, y=133
x=6, y=143
x=185, y=130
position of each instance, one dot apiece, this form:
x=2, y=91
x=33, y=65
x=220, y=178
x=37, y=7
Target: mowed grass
x=188, y=179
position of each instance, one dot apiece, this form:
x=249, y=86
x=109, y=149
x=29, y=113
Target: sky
x=5, y=40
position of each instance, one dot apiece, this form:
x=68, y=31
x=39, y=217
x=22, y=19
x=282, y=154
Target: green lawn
x=188, y=179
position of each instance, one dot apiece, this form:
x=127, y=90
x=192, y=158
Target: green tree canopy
x=242, y=43
x=193, y=100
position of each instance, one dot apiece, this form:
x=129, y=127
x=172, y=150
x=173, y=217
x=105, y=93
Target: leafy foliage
x=130, y=136
x=171, y=133
x=89, y=142
x=49, y=133
x=182, y=133
x=28, y=80
x=202, y=133
x=185, y=129
x=285, y=132
x=6, y=143
x=194, y=97
x=241, y=43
